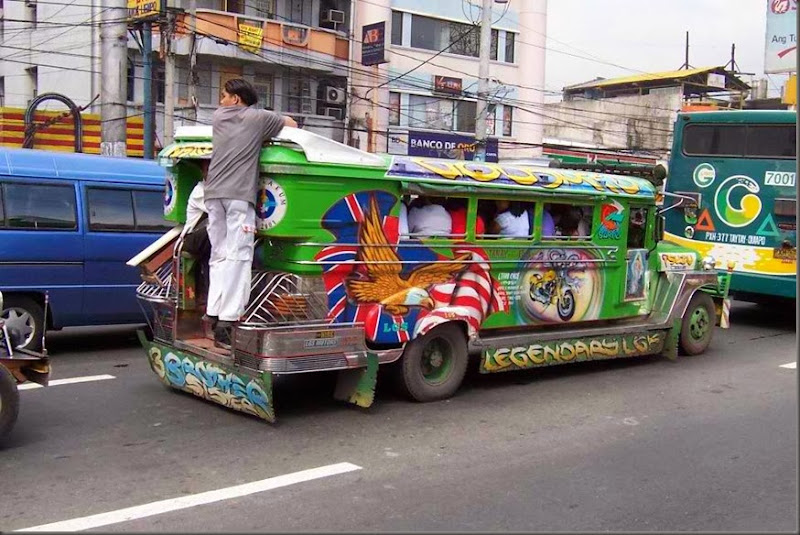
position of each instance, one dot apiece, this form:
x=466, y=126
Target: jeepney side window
x=637, y=225
x=504, y=219
x=428, y=217
x=569, y=221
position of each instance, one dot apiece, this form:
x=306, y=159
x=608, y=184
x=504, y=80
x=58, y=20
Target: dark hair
x=243, y=90
x=570, y=220
x=516, y=208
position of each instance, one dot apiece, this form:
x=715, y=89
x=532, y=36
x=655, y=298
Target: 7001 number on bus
x=775, y=178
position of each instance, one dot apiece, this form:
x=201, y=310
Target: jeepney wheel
x=434, y=365
x=9, y=402
x=566, y=305
x=25, y=317
x=697, y=326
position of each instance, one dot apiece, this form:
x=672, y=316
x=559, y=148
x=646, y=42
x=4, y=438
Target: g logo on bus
x=271, y=206
x=704, y=175
x=749, y=205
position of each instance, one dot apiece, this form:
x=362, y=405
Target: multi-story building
x=304, y=57
x=423, y=100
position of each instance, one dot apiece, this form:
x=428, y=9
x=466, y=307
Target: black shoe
x=212, y=319
x=222, y=334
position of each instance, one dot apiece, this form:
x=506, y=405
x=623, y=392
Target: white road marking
x=192, y=500
x=790, y=365
x=71, y=380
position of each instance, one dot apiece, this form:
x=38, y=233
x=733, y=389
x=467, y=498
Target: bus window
x=771, y=141
x=713, y=140
x=506, y=219
x=569, y=221
x=636, y=228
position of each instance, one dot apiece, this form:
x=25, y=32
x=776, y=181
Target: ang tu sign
x=781, y=37
x=373, y=43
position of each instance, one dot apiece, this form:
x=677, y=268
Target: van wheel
x=24, y=319
x=697, y=326
x=9, y=402
x=434, y=365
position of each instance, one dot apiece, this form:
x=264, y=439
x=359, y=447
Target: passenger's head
x=238, y=92
x=502, y=205
x=569, y=222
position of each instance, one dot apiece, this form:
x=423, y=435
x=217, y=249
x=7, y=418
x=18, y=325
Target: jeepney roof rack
x=317, y=148
x=655, y=174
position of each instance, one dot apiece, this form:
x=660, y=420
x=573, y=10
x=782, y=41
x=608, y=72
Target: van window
x=568, y=221
x=149, y=209
x=506, y=218
x=39, y=207
x=110, y=209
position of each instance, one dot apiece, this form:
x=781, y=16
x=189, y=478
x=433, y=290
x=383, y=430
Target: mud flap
x=250, y=393
x=358, y=386
x=723, y=309
x=671, y=343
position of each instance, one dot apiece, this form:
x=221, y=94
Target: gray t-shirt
x=238, y=133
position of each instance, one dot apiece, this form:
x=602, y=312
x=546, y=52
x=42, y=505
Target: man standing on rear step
x=239, y=131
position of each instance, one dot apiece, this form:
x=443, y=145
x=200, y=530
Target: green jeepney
x=337, y=287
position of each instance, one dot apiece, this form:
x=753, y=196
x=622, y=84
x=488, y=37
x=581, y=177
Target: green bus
x=339, y=284
x=732, y=183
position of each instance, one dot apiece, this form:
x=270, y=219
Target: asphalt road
x=706, y=443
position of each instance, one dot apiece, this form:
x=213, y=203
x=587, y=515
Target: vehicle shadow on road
x=90, y=339
x=779, y=315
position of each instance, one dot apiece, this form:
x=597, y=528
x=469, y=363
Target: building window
x=397, y=27
x=435, y=34
x=508, y=118
x=430, y=112
x=510, y=39
x=159, y=86
x=297, y=95
x=33, y=77
x=467, y=110
x=131, y=81
x=263, y=85
x=491, y=119
x=394, y=108
x=493, y=47
x=2, y=91
x=299, y=11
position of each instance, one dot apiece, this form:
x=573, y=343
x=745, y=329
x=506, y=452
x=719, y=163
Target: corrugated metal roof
x=647, y=77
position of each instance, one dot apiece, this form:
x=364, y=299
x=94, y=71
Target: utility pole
x=192, y=93
x=169, y=78
x=149, y=116
x=113, y=87
x=483, y=81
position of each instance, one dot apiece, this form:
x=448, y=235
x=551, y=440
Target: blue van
x=68, y=224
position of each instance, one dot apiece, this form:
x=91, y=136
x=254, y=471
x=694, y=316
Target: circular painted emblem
x=271, y=206
x=704, y=175
x=169, y=194
x=689, y=232
x=737, y=202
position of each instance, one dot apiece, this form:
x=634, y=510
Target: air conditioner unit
x=334, y=95
x=336, y=113
x=333, y=15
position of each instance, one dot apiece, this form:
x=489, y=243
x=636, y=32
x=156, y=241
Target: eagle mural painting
x=399, y=292
x=385, y=283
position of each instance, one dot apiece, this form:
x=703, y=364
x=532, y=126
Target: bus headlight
x=709, y=262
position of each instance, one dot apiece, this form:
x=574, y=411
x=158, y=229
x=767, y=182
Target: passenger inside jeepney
x=457, y=207
x=427, y=216
x=570, y=221
x=511, y=220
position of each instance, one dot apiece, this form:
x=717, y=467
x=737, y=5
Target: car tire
x=434, y=365
x=23, y=314
x=697, y=326
x=9, y=402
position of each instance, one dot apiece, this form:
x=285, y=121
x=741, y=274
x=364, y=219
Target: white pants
x=231, y=230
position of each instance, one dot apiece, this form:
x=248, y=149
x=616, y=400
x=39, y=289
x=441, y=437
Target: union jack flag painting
x=402, y=292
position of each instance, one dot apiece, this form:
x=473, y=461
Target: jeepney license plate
x=785, y=253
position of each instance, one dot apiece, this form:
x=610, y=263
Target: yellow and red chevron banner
x=60, y=136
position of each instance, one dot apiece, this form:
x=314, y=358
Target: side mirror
x=660, y=224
